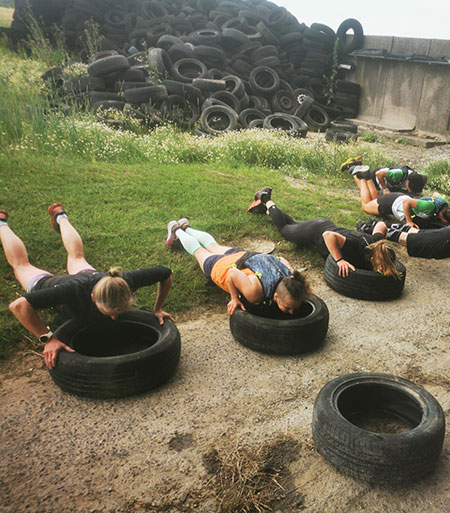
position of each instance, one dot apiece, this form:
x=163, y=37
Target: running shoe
x=352, y=161
x=55, y=210
x=172, y=242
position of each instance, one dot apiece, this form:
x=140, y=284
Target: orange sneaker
x=55, y=210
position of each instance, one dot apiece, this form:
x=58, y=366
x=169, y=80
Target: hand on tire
x=52, y=349
x=344, y=267
x=161, y=315
x=232, y=305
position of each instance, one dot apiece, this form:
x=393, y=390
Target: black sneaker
x=258, y=206
x=264, y=194
x=361, y=172
x=395, y=230
x=367, y=226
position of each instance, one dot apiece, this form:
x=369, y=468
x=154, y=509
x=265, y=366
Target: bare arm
x=334, y=242
x=248, y=286
x=408, y=205
x=161, y=296
x=381, y=176
x=28, y=317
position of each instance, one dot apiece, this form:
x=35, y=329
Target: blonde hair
x=383, y=259
x=112, y=291
x=297, y=286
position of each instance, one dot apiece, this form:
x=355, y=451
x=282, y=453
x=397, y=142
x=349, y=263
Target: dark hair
x=417, y=181
x=445, y=212
x=296, y=285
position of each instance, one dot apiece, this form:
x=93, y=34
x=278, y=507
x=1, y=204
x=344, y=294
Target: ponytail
x=297, y=285
x=112, y=291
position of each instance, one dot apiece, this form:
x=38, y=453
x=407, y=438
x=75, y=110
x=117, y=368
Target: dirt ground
x=227, y=414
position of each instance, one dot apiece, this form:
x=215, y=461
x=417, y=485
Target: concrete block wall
x=403, y=94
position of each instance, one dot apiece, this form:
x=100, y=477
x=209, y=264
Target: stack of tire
x=267, y=58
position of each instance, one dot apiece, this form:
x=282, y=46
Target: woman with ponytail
x=83, y=293
x=256, y=278
x=349, y=248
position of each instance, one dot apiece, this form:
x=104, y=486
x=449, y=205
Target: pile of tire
x=271, y=53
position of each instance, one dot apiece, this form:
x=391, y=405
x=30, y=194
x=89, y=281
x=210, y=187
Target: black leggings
x=303, y=233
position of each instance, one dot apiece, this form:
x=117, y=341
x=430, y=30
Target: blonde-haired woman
x=84, y=293
x=350, y=249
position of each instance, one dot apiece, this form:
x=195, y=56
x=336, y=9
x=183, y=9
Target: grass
x=121, y=187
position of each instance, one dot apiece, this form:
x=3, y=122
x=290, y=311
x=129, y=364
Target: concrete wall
x=401, y=94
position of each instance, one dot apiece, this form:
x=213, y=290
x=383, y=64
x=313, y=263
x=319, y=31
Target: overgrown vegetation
x=122, y=186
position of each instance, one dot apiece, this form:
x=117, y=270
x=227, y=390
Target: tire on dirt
x=155, y=357
x=293, y=334
x=362, y=284
x=345, y=404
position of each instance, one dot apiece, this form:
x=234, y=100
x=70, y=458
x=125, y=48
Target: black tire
x=207, y=84
x=107, y=65
x=264, y=81
x=228, y=99
x=157, y=352
x=234, y=85
x=185, y=70
x=285, y=122
x=347, y=126
x=100, y=96
x=218, y=119
x=283, y=101
x=345, y=45
x=343, y=405
x=159, y=62
x=83, y=84
x=362, y=284
x=304, y=107
x=248, y=115
x=339, y=135
x=144, y=94
x=293, y=334
x=317, y=118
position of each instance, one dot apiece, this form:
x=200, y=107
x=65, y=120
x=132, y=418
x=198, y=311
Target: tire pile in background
x=219, y=65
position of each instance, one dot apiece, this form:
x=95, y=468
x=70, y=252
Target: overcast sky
x=405, y=18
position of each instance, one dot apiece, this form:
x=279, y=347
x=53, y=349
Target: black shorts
x=385, y=203
x=429, y=243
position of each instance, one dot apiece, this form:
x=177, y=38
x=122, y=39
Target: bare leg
x=369, y=196
x=201, y=254
x=17, y=257
x=380, y=227
x=73, y=244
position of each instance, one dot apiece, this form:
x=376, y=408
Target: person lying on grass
x=394, y=179
x=418, y=211
x=258, y=277
x=84, y=293
x=350, y=249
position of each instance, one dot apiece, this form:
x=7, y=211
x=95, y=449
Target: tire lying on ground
x=117, y=358
x=288, y=334
x=378, y=427
x=362, y=284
